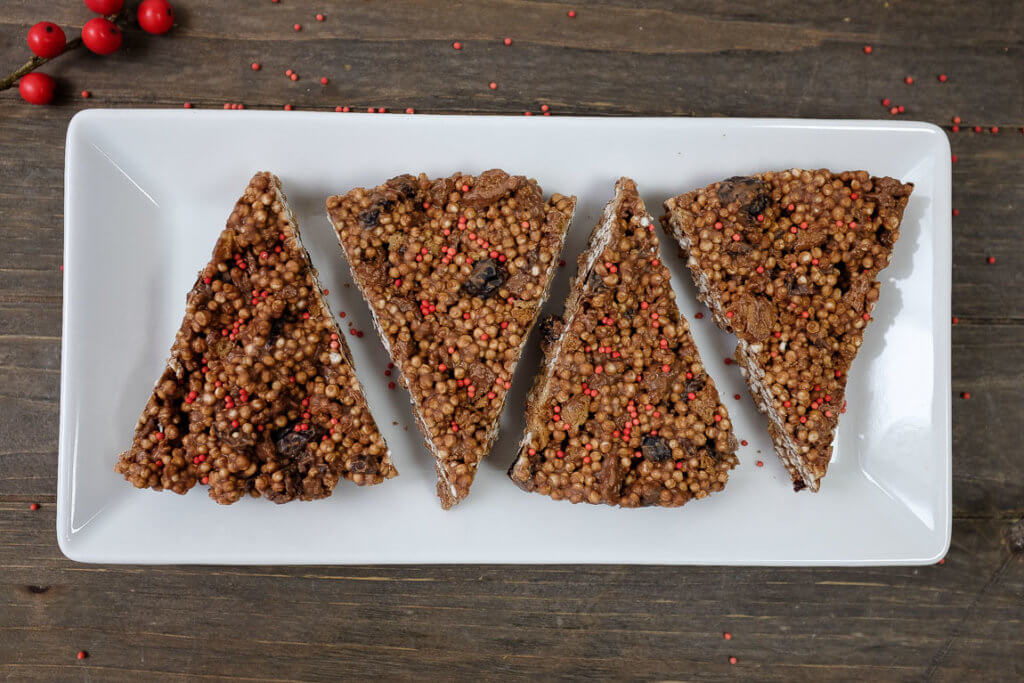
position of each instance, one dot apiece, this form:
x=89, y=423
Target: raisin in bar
x=788, y=261
x=623, y=411
x=258, y=395
x=455, y=271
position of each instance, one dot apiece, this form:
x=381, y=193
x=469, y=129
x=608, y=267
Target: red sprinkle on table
x=508, y=41
x=82, y=654
x=33, y=507
x=297, y=27
x=965, y=395
x=287, y=107
x=733, y=660
x=571, y=14
x=744, y=443
x=410, y=110
x=255, y=66
x=990, y=260
x=943, y=78
x=457, y=46
x=956, y=320
x=867, y=49
x=955, y=158
x=323, y=80
x=942, y=561
x=727, y=635
x=909, y=80
x=187, y=105
x=319, y=17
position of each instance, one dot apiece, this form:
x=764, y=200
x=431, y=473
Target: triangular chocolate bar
x=623, y=411
x=788, y=261
x=259, y=395
x=455, y=271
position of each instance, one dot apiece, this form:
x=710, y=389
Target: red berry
x=46, y=39
x=101, y=36
x=156, y=16
x=37, y=88
x=105, y=6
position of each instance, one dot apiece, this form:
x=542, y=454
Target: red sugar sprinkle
x=867, y=49
x=86, y=94
x=965, y=395
x=943, y=78
x=990, y=260
x=942, y=561
x=994, y=129
x=698, y=315
x=492, y=85
x=909, y=80
x=957, y=119
x=727, y=635
x=571, y=14
x=508, y=41
x=410, y=110
x=733, y=660
x=886, y=102
x=744, y=443
x=33, y=507
x=297, y=27
x=457, y=46
x=323, y=81
x=255, y=66
x=319, y=17
x=760, y=463
x=977, y=129
x=187, y=105
x=956, y=212
x=956, y=320
x=82, y=654
x=287, y=107
x=955, y=158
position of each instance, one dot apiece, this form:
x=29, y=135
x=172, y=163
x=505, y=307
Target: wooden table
x=960, y=620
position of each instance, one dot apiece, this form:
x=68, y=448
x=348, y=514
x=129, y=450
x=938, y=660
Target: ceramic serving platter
x=147, y=193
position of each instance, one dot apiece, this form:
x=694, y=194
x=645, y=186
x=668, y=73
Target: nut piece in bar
x=259, y=396
x=623, y=411
x=788, y=261
x=455, y=271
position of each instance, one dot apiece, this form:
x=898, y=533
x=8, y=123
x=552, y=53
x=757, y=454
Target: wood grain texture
x=963, y=620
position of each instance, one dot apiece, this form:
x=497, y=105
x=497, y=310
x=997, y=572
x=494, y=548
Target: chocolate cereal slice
x=455, y=271
x=623, y=411
x=258, y=396
x=788, y=261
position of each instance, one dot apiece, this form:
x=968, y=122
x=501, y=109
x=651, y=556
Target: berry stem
x=31, y=65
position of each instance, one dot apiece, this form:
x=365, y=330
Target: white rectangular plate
x=147, y=193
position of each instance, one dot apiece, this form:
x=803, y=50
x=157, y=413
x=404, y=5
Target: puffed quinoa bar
x=259, y=396
x=788, y=261
x=623, y=412
x=455, y=271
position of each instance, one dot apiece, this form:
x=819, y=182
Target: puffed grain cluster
x=259, y=396
x=623, y=412
x=788, y=261
x=454, y=270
